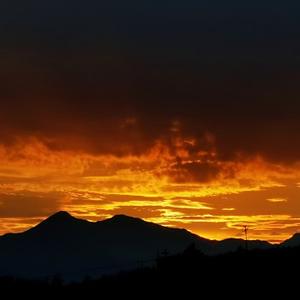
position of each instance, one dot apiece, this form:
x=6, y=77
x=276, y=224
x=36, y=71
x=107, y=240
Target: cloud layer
x=155, y=108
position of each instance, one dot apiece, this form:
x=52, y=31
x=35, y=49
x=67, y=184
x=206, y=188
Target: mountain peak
x=60, y=216
x=57, y=219
x=57, y=223
x=125, y=219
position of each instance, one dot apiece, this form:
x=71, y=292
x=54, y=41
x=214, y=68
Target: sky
x=184, y=113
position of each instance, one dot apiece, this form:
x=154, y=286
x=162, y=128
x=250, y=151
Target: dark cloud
x=194, y=172
x=73, y=74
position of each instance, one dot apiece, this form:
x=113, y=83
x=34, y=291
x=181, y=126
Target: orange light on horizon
x=167, y=186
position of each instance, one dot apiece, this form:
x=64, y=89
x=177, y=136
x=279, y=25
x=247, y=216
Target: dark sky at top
x=73, y=71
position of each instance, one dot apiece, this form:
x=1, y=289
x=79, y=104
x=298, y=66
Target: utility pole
x=246, y=230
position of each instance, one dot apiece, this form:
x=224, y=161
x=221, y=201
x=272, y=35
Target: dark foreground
x=242, y=274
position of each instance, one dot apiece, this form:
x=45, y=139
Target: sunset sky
x=184, y=113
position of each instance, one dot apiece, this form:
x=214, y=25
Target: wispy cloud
x=277, y=200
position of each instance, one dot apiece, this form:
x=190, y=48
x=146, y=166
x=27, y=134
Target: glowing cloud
x=277, y=200
x=169, y=183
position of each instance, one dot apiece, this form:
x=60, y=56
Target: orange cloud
x=169, y=183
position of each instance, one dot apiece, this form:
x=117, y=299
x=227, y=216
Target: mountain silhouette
x=294, y=241
x=74, y=248
x=232, y=245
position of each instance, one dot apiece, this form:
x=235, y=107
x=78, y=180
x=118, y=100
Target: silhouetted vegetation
x=193, y=272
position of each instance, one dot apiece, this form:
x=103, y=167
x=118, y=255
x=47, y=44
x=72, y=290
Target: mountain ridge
x=64, y=217
x=62, y=242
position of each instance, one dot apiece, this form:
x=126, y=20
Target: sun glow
x=165, y=185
